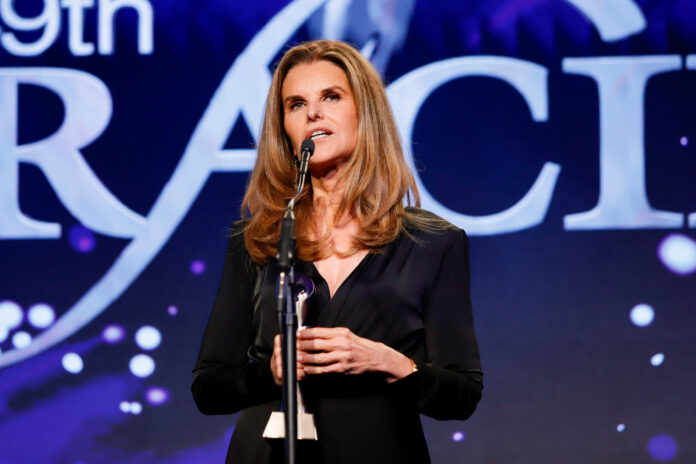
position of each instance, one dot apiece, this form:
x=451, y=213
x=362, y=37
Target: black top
x=412, y=296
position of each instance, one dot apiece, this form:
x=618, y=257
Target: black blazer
x=412, y=296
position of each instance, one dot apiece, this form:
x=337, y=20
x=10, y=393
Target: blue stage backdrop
x=559, y=133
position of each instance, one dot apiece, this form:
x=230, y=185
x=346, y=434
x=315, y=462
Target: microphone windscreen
x=307, y=145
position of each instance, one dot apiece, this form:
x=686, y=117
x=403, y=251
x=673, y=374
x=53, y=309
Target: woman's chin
x=323, y=163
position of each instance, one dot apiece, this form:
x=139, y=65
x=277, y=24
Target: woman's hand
x=321, y=350
x=277, y=363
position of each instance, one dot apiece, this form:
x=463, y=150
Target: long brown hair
x=376, y=180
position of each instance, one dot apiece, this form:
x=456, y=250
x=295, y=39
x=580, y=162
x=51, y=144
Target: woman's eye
x=332, y=97
x=294, y=106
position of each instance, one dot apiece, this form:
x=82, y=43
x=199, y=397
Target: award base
x=275, y=428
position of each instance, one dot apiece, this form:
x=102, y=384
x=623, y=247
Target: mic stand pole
x=287, y=318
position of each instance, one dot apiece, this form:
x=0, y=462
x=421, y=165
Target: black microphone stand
x=287, y=317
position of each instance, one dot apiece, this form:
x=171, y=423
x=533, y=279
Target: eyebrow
x=333, y=88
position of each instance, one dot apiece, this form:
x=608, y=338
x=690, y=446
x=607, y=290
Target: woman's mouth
x=319, y=134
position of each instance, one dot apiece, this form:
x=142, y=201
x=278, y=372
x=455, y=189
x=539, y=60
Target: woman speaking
x=391, y=333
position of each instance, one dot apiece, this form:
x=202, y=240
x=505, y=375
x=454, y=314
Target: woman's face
x=318, y=104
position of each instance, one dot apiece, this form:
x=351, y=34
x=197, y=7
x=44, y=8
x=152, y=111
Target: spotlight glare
x=113, y=333
x=197, y=267
x=657, y=359
x=157, y=396
x=642, y=315
x=663, y=447
x=72, y=362
x=678, y=253
x=21, y=340
x=136, y=408
x=148, y=337
x=10, y=314
x=125, y=406
x=41, y=315
x=142, y=365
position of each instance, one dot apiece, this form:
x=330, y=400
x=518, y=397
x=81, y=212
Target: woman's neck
x=327, y=194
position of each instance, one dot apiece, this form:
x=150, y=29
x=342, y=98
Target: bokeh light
x=642, y=315
x=113, y=333
x=10, y=314
x=81, y=239
x=41, y=315
x=4, y=332
x=125, y=407
x=148, y=337
x=156, y=396
x=620, y=428
x=684, y=141
x=21, y=340
x=142, y=365
x=458, y=436
x=72, y=362
x=172, y=310
x=197, y=267
x=657, y=359
x=136, y=408
x=678, y=253
x=663, y=447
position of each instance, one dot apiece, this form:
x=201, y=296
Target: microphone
x=286, y=242
x=306, y=151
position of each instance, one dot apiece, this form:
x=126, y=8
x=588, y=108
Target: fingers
x=329, y=357
x=322, y=332
x=277, y=363
x=323, y=350
x=325, y=339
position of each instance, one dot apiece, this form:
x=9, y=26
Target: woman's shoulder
x=429, y=229
x=236, y=245
x=237, y=228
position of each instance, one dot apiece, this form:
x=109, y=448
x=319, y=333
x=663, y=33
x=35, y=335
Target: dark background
x=567, y=375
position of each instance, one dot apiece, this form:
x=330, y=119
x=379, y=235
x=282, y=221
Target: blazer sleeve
x=449, y=379
x=225, y=380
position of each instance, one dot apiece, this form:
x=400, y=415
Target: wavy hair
x=376, y=178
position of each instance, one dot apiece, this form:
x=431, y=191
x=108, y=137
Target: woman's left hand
x=321, y=350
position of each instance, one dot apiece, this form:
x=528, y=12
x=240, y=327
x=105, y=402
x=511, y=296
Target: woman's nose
x=314, y=112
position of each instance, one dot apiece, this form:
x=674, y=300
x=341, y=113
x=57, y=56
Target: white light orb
x=21, y=340
x=141, y=365
x=657, y=359
x=125, y=407
x=136, y=408
x=10, y=314
x=148, y=337
x=678, y=253
x=620, y=428
x=41, y=315
x=642, y=315
x=72, y=362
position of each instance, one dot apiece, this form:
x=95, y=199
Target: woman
x=392, y=333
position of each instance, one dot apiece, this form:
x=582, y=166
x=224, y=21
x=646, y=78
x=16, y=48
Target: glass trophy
x=306, y=430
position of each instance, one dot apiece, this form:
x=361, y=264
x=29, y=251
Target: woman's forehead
x=314, y=77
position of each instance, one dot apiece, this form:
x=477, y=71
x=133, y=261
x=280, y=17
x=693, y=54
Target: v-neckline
x=344, y=281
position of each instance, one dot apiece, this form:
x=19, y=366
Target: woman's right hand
x=277, y=363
